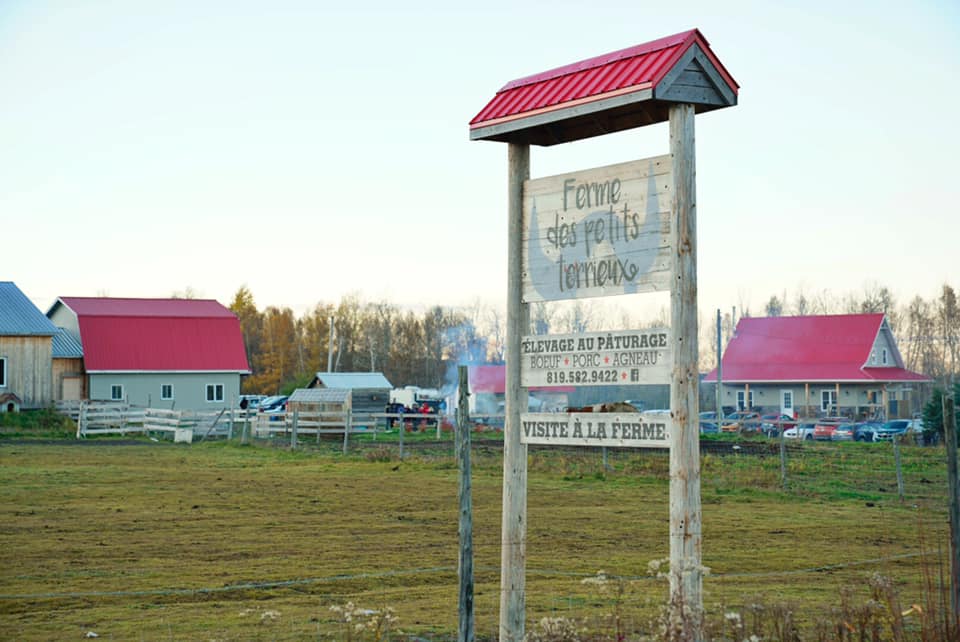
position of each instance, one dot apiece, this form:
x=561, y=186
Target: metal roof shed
x=620, y=90
x=370, y=390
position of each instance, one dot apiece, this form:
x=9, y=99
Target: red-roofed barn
x=817, y=365
x=161, y=353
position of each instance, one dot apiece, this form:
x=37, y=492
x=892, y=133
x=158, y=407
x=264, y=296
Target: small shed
x=369, y=391
x=319, y=400
x=9, y=402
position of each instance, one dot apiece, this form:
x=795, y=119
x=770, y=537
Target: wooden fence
x=117, y=417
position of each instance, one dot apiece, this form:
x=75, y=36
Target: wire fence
x=597, y=518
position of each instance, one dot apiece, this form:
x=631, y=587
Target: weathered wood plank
x=597, y=358
x=686, y=568
x=597, y=232
x=615, y=430
x=513, y=536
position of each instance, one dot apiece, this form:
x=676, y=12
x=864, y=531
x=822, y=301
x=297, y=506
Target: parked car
x=741, y=422
x=708, y=427
x=274, y=404
x=253, y=401
x=866, y=431
x=802, y=431
x=890, y=429
x=823, y=431
x=771, y=425
x=843, y=432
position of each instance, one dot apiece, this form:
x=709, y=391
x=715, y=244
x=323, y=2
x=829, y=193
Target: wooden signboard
x=597, y=358
x=632, y=430
x=598, y=232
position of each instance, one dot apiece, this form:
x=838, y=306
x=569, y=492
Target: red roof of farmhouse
x=612, y=75
x=828, y=348
x=155, y=335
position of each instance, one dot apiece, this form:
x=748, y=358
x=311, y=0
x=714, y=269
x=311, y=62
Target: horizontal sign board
x=623, y=357
x=598, y=232
x=631, y=430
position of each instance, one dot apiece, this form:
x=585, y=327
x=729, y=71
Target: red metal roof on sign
x=829, y=348
x=180, y=335
x=634, y=68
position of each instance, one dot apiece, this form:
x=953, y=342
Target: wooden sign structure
x=598, y=232
x=628, y=430
x=621, y=357
x=669, y=79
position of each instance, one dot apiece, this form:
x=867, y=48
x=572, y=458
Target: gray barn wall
x=62, y=317
x=189, y=389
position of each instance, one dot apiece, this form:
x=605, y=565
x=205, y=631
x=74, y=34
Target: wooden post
x=950, y=436
x=837, y=395
x=806, y=400
x=783, y=455
x=296, y=426
x=347, y=427
x=513, y=537
x=686, y=569
x=401, y=422
x=465, y=565
x=896, y=459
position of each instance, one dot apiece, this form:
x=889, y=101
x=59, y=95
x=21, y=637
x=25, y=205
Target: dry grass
x=157, y=523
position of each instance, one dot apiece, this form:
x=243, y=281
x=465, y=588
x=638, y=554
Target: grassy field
x=218, y=541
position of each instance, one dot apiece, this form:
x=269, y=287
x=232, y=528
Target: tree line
x=409, y=348
x=412, y=347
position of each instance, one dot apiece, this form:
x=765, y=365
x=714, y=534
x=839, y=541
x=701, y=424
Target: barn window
x=214, y=392
x=3, y=372
x=166, y=391
x=116, y=392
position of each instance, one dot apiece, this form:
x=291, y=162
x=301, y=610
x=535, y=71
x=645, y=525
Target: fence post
x=403, y=429
x=783, y=456
x=293, y=430
x=230, y=430
x=950, y=434
x=896, y=458
x=246, y=426
x=80, y=419
x=465, y=566
x=347, y=425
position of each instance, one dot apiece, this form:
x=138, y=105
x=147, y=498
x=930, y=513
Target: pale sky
x=310, y=149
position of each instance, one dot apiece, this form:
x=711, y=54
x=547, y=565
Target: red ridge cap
x=685, y=38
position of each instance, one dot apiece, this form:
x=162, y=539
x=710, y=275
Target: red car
x=823, y=431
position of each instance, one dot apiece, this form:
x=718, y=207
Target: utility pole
x=330, y=347
x=719, y=372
